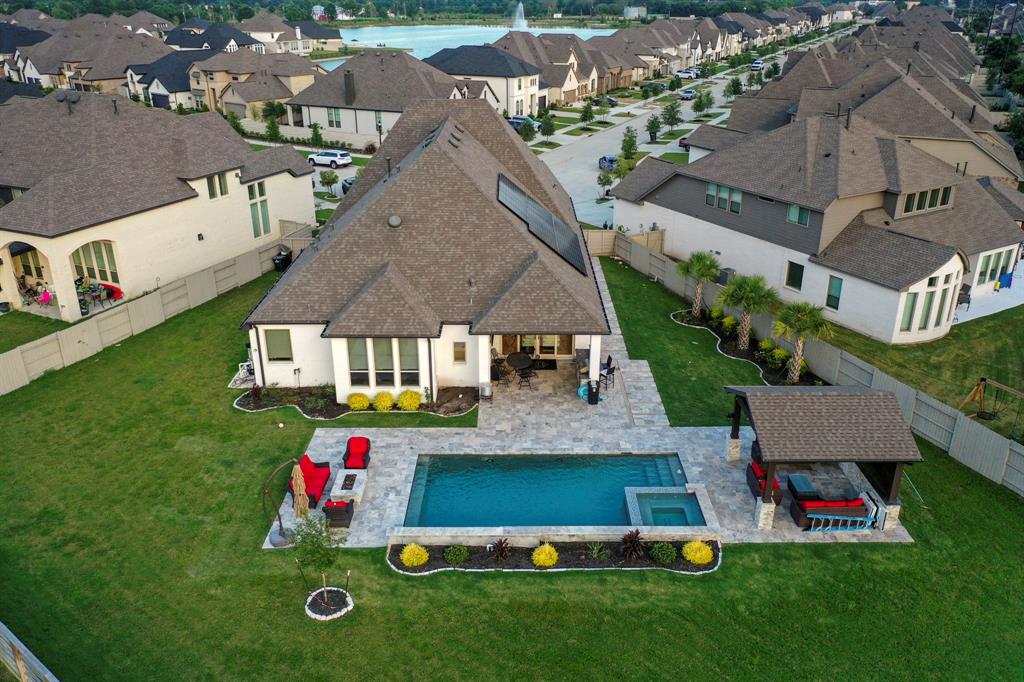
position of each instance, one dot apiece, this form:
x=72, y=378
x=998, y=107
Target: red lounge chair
x=316, y=475
x=357, y=452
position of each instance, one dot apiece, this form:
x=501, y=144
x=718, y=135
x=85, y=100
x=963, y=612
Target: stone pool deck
x=551, y=420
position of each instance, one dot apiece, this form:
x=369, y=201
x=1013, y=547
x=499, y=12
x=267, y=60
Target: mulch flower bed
x=318, y=402
x=571, y=555
x=335, y=604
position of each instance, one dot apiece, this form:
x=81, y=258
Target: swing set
x=992, y=410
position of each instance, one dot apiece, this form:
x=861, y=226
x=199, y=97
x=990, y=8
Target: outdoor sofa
x=315, y=475
x=755, y=481
x=799, y=509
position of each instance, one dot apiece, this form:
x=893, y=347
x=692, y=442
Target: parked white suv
x=689, y=74
x=757, y=65
x=330, y=158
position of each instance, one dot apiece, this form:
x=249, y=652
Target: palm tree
x=800, y=321
x=703, y=267
x=752, y=295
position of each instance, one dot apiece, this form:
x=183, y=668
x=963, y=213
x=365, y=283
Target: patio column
x=894, y=488
x=8, y=279
x=732, y=451
x=483, y=360
x=594, y=366
x=63, y=283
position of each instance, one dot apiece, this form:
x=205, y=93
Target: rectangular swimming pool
x=533, y=490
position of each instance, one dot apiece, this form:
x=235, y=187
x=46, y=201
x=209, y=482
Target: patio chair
x=357, y=452
x=339, y=513
x=524, y=377
x=496, y=356
x=608, y=363
x=607, y=377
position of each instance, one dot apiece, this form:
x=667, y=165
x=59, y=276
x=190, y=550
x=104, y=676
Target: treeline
x=237, y=10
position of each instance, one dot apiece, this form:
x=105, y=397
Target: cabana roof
x=826, y=424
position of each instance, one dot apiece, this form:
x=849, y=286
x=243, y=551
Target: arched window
x=96, y=261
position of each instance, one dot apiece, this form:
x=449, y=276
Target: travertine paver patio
x=551, y=420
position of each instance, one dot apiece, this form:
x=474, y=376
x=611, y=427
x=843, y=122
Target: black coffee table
x=801, y=487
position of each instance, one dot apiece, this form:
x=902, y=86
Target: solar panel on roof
x=542, y=223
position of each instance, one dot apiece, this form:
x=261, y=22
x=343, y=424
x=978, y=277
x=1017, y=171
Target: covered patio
x=833, y=455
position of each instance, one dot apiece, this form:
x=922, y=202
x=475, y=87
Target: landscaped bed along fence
x=994, y=456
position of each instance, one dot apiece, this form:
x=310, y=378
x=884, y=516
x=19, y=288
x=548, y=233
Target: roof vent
x=394, y=221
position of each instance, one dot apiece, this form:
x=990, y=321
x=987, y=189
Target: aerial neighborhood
x=314, y=318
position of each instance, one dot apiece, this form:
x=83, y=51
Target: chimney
x=350, y=87
x=974, y=108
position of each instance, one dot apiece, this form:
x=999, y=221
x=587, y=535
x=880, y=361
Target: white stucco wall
x=358, y=126
x=311, y=363
x=342, y=378
x=986, y=288
x=954, y=270
x=450, y=373
x=865, y=307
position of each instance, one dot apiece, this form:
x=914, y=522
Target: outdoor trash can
x=283, y=259
x=593, y=388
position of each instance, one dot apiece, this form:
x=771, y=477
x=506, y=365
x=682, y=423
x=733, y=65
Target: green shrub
x=729, y=324
x=766, y=346
x=383, y=402
x=663, y=553
x=358, y=402
x=408, y=401
x=414, y=555
x=698, y=552
x=545, y=556
x=456, y=554
x=715, y=313
x=597, y=551
x=778, y=358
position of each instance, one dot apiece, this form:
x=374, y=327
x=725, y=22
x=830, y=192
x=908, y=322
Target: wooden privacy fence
x=20, y=661
x=31, y=360
x=994, y=456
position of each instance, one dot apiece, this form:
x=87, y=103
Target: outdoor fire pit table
x=801, y=487
x=349, y=485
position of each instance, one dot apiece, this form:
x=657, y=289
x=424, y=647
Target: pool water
x=673, y=509
x=533, y=490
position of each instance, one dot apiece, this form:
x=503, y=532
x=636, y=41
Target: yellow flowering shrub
x=383, y=402
x=697, y=552
x=545, y=556
x=358, y=402
x=409, y=401
x=414, y=555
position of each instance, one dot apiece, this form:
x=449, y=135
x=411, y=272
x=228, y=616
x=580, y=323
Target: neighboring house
x=568, y=75
x=434, y=263
x=12, y=37
x=515, y=82
x=634, y=12
x=241, y=81
x=9, y=89
x=149, y=23
x=36, y=20
x=166, y=83
x=276, y=35
x=197, y=34
x=146, y=198
x=361, y=100
x=842, y=13
x=636, y=59
x=879, y=232
x=92, y=59
x=321, y=38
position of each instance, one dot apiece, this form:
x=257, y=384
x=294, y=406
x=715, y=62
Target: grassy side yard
x=323, y=215
x=681, y=158
x=676, y=133
x=686, y=364
x=149, y=568
x=547, y=144
x=949, y=368
x=327, y=196
x=17, y=328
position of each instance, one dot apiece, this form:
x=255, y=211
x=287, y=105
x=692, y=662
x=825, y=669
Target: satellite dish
x=61, y=96
x=74, y=97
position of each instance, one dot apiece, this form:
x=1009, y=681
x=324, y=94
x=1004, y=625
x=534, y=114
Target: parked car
x=660, y=87
x=688, y=94
x=519, y=121
x=757, y=65
x=346, y=185
x=606, y=101
x=330, y=158
x=608, y=162
x=684, y=143
x=690, y=74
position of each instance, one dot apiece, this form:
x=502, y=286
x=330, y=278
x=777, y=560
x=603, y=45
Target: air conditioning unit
x=725, y=275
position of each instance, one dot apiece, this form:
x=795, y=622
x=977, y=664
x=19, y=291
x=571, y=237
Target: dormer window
x=927, y=200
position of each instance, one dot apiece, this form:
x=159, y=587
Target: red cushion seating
x=758, y=471
x=357, y=451
x=315, y=477
x=831, y=504
x=775, y=484
x=336, y=504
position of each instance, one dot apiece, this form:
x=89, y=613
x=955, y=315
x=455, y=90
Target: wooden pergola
x=827, y=424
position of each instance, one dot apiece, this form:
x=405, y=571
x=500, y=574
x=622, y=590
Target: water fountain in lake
x=519, y=22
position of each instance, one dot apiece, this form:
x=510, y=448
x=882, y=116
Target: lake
x=426, y=40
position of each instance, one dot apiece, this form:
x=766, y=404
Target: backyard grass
x=17, y=328
x=681, y=158
x=324, y=214
x=133, y=553
x=327, y=196
x=947, y=369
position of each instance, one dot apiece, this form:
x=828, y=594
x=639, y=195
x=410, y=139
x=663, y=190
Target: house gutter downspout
x=259, y=353
x=430, y=363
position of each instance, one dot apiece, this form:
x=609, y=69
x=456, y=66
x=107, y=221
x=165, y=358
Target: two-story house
x=878, y=232
x=515, y=82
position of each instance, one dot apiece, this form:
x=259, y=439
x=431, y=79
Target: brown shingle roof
x=155, y=152
x=828, y=424
x=714, y=137
x=105, y=51
x=265, y=22
x=384, y=81
x=458, y=256
x=650, y=173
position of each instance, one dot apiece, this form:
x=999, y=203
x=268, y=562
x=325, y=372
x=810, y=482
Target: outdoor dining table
x=518, y=361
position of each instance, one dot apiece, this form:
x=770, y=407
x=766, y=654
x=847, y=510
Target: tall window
x=333, y=117
x=217, y=185
x=258, y=209
x=928, y=199
x=983, y=269
x=383, y=362
x=30, y=265
x=908, y=311
x=358, y=363
x=799, y=215
x=409, y=362
x=96, y=261
x=835, y=290
x=942, y=306
x=794, y=275
x=279, y=345
x=926, y=310
x=459, y=352
x=725, y=198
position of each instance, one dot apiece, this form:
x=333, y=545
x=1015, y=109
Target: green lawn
x=547, y=144
x=324, y=214
x=360, y=160
x=681, y=158
x=567, y=120
x=949, y=368
x=624, y=114
x=148, y=566
x=601, y=124
x=327, y=196
x=676, y=134
x=581, y=130
x=17, y=328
